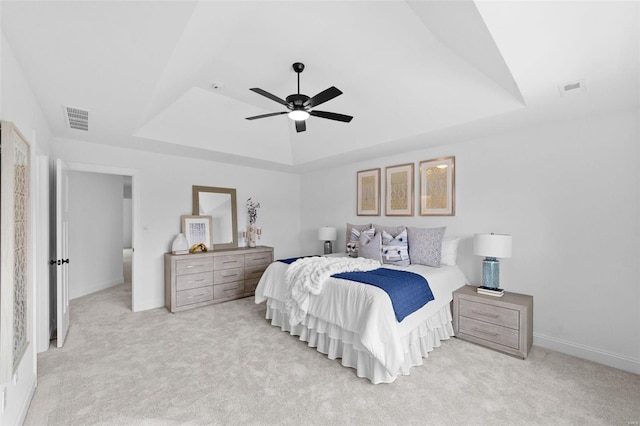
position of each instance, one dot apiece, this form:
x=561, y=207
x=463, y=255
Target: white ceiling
x=413, y=73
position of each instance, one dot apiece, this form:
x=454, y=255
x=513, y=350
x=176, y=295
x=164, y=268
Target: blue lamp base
x=491, y=272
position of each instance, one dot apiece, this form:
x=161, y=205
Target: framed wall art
x=399, y=190
x=368, y=195
x=197, y=229
x=437, y=187
x=15, y=274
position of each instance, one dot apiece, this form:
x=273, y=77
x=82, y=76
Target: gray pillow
x=425, y=245
x=370, y=246
x=352, y=238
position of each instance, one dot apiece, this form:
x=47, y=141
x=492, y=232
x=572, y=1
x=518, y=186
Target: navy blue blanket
x=408, y=291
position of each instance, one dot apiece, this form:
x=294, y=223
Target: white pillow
x=449, y=252
x=395, y=250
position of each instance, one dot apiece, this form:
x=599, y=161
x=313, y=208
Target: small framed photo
x=368, y=195
x=437, y=187
x=399, y=190
x=197, y=229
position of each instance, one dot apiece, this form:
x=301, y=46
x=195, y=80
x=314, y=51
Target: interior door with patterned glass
x=15, y=251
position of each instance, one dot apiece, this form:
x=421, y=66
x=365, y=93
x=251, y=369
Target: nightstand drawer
x=189, y=281
x=491, y=332
x=194, y=266
x=489, y=313
x=228, y=290
x=228, y=275
x=196, y=295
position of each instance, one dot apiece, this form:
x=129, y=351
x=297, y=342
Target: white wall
x=95, y=232
x=567, y=192
x=19, y=105
x=127, y=224
x=164, y=194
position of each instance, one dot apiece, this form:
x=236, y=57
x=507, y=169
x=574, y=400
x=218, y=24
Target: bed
x=356, y=323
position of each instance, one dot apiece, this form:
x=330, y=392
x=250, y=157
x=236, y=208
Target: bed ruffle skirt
x=336, y=342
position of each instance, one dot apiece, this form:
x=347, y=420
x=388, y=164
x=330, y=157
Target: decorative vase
x=252, y=235
x=180, y=245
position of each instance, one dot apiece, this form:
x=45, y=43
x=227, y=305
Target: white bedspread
x=366, y=310
x=307, y=276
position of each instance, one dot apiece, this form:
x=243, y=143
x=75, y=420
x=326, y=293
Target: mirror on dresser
x=220, y=204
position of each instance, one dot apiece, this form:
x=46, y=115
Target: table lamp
x=491, y=246
x=327, y=234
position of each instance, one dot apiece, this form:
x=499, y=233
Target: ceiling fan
x=300, y=106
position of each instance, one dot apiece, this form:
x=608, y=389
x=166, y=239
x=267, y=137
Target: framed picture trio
x=436, y=196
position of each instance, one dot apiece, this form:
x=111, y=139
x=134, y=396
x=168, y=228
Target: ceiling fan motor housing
x=297, y=101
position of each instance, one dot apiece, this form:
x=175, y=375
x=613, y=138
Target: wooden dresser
x=193, y=280
x=502, y=323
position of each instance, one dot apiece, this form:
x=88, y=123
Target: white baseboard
x=97, y=287
x=588, y=353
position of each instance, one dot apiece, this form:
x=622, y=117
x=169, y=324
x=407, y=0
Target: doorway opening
x=104, y=258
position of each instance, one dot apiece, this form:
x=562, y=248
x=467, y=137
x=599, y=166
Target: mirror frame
x=196, y=190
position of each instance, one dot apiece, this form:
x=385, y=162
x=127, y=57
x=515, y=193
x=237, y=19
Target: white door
x=62, y=250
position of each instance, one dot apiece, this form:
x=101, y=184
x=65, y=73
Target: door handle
x=52, y=262
x=65, y=261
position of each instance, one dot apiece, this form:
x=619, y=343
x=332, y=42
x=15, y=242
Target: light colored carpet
x=225, y=364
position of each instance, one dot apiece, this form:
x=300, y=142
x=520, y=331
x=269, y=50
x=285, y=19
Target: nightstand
x=501, y=323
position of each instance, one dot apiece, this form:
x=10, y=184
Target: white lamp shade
x=327, y=233
x=492, y=245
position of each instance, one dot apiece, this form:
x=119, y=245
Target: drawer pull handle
x=486, y=314
x=197, y=295
x=479, y=330
x=230, y=289
x=232, y=275
x=196, y=281
x=230, y=261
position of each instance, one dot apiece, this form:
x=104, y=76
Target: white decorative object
x=180, y=245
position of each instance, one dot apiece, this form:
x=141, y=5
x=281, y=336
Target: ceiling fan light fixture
x=298, y=115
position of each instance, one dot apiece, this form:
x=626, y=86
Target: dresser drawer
x=196, y=295
x=189, y=281
x=228, y=290
x=228, y=275
x=250, y=285
x=493, y=333
x=194, y=266
x=254, y=272
x=255, y=259
x=492, y=314
x=229, y=261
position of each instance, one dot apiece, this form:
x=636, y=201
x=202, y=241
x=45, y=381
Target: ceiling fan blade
x=270, y=96
x=266, y=115
x=332, y=116
x=301, y=126
x=322, y=97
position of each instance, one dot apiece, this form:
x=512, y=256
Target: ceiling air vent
x=572, y=88
x=76, y=118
